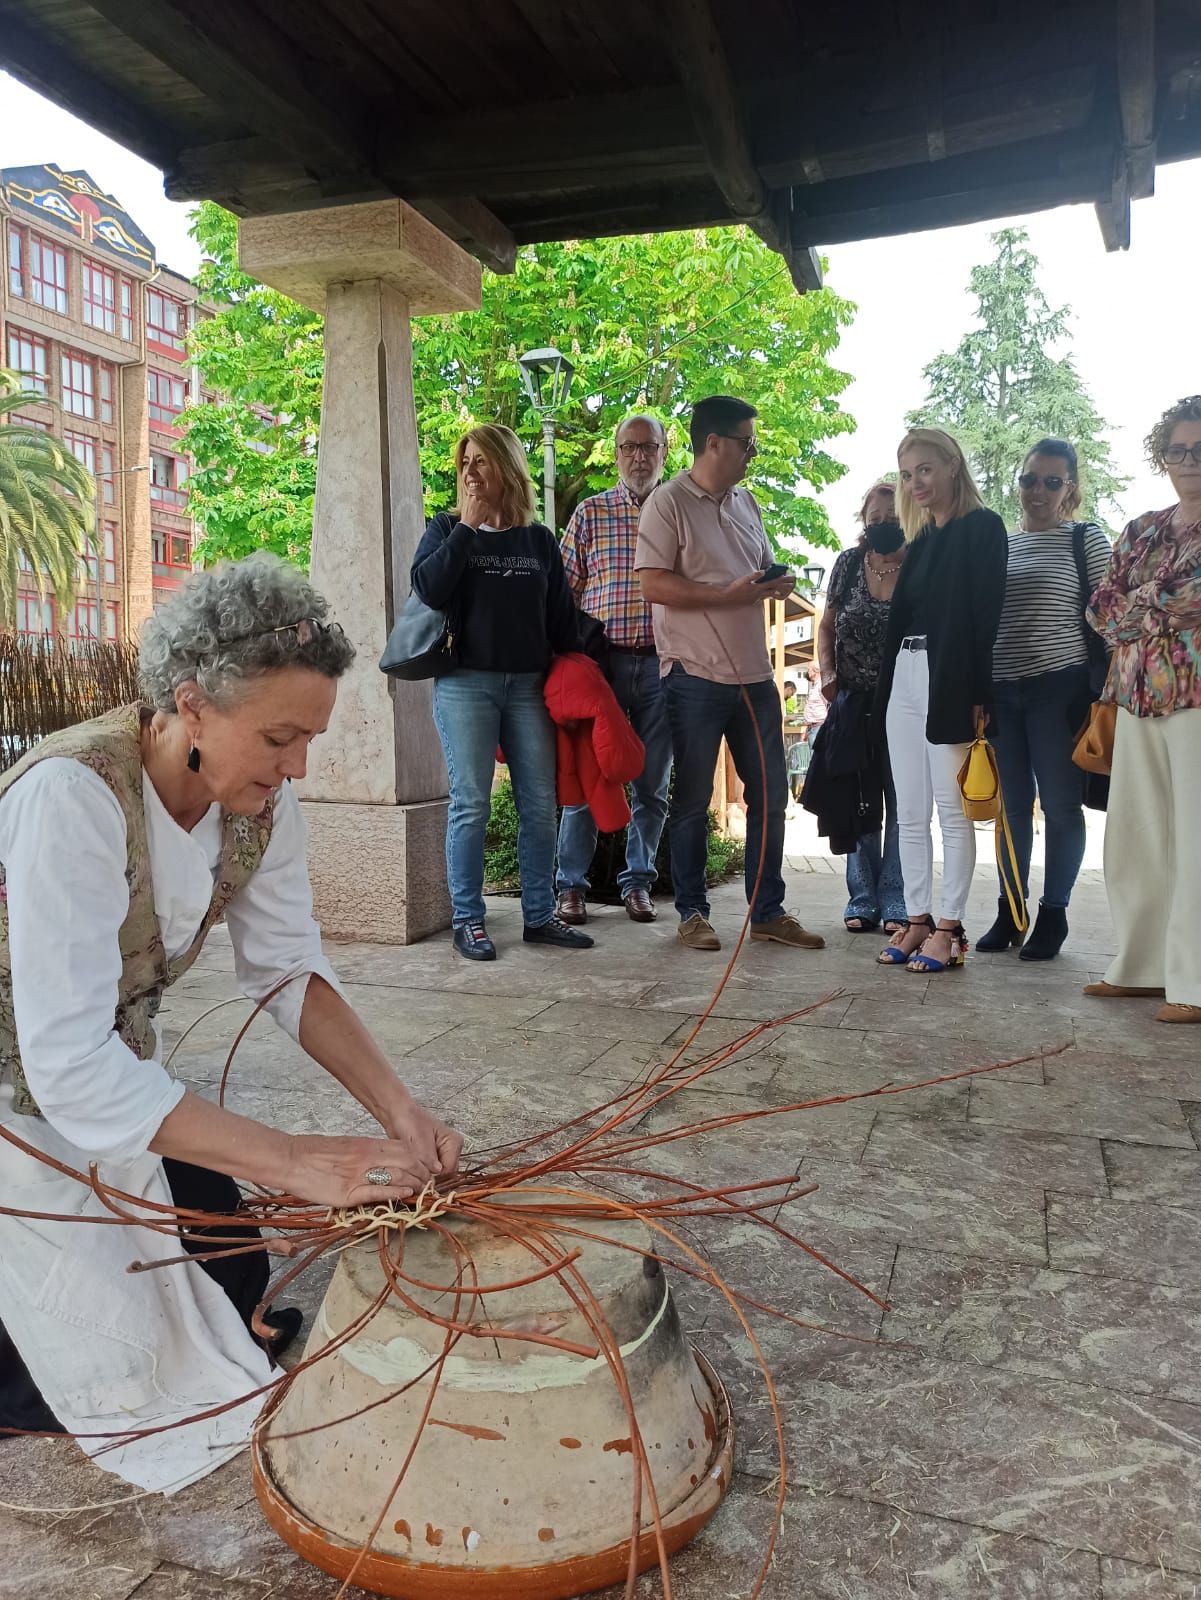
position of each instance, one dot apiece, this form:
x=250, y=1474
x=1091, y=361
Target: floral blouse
x=1148, y=611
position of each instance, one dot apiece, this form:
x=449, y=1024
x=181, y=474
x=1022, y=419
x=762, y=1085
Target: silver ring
x=379, y=1176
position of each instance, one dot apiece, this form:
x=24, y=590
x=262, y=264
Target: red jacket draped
x=598, y=752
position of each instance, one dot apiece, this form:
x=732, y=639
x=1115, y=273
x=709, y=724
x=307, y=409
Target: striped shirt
x=598, y=557
x=1042, y=623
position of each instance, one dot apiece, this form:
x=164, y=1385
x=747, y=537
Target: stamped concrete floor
x=1023, y=1422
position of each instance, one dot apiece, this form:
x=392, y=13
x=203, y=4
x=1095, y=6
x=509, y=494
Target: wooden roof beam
x=1134, y=165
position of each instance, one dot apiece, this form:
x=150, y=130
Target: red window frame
x=76, y=366
x=82, y=447
x=35, y=617
x=159, y=331
x=48, y=275
x=112, y=620
x=172, y=494
x=105, y=386
x=74, y=632
x=108, y=480
x=160, y=384
x=16, y=260
x=29, y=355
x=99, y=295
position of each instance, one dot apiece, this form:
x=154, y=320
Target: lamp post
x=97, y=478
x=814, y=576
x=547, y=376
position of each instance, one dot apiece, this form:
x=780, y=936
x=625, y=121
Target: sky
x=1134, y=328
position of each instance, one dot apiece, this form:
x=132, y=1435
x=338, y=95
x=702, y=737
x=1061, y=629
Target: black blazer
x=964, y=564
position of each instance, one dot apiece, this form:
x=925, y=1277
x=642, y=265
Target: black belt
x=634, y=649
x=914, y=643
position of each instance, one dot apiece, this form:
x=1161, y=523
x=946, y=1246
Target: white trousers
x=924, y=774
x=1153, y=853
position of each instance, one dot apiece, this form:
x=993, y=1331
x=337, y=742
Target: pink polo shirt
x=714, y=540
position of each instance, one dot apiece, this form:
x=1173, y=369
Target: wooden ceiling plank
x=224, y=48
x=1136, y=92
x=470, y=223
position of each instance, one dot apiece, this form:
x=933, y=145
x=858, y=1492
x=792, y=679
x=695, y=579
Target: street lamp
x=97, y=477
x=547, y=376
x=814, y=576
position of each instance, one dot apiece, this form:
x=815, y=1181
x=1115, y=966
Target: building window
x=166, y=321
x=105, y=374
x=83, y=623
x=82, y=448
x=112, y=620
x=99, y=297
x=127, y=329
x=35, y=618
x=16, y=261
x=79, y=385
x=168, y=477
x=180, y=552
x=29, y=422
x=87, y=560
x=108, y=480
x=168, y=396
x=158, y=541
x=27, y=355
x=47, y=275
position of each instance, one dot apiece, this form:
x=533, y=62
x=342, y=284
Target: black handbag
x=422, y=643
x=1096, y=784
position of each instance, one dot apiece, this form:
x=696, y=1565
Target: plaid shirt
x=598, y=557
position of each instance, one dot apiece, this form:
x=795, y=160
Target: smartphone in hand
x=776, y=570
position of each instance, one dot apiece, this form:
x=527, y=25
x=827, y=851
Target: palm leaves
x=47, y=511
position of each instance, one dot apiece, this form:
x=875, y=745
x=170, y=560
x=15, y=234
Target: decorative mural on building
x=73, y=201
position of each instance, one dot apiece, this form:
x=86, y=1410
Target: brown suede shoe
x=1119, y=991
x=639, y=905
x=787, y=930
x=1177, y=1011
x=572, y=907
x=697, y=933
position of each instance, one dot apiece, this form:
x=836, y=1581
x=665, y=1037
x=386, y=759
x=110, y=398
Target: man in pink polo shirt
x=702, y=552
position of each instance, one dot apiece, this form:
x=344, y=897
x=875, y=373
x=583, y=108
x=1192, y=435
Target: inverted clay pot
x=521, y=1487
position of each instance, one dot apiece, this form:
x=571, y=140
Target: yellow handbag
x=980, y=789
x=1094, y=742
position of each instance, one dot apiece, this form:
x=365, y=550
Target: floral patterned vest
x=111, y=746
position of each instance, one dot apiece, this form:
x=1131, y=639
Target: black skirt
x=243, y=1278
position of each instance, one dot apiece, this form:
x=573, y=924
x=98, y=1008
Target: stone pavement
x=1023, y=1421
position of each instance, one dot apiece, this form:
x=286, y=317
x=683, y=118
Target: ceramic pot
x=521, y=1485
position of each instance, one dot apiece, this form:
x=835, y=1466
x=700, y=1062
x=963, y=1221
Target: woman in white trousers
x=1148, y=609
x=936, y=685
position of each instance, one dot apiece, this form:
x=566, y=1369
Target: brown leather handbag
x=1094, y=742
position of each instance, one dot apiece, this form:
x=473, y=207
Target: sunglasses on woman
x=307, y=629
x=1031, y=480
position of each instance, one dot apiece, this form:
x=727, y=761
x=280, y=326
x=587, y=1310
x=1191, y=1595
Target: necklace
x=885, y=571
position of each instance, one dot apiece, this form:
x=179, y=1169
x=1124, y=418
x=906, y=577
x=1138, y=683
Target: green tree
x=47, y=509
x=651, y=322
x=1003, y=387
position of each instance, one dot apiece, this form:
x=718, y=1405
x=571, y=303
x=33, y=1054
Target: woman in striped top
x=1041, y=687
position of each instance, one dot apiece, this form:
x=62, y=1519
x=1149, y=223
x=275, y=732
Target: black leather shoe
x=1003, y=933
x=1050, y=930
x=557, y=932
x=471, y=940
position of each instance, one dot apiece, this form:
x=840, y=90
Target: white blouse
x=114, y=1351
x=63, y=844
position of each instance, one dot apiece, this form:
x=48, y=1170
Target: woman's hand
x=432, y=1142
x=333, y=1171
x=474, y=510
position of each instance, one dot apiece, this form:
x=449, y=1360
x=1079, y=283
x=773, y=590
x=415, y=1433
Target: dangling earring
x=193, y=759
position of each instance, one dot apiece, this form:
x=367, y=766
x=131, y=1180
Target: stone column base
x=378, y=872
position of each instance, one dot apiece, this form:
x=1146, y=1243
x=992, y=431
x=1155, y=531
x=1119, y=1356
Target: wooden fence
x=46, y=685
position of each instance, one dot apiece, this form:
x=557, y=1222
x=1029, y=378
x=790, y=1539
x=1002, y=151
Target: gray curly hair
x=217, y=632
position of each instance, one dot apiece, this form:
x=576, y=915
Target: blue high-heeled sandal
x=892, y=955
x=919, y=962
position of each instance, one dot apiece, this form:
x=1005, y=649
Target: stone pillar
x=376, y=795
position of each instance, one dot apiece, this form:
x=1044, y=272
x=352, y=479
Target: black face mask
x=885, y=537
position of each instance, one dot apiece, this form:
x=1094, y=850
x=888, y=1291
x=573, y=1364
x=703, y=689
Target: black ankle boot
x=1003, y=933
x=1050, y=930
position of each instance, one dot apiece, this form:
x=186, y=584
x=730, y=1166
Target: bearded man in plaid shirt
x=598, y=556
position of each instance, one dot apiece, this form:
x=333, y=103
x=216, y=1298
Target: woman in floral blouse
x=1148, y=610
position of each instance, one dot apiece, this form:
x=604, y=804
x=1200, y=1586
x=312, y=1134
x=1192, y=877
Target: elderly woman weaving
x=122, y=842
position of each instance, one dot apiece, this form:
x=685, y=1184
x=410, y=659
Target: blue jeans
x=474, y=712
x=638, y=687
x=874, y=882
x=1033, y=729
x=700, y=713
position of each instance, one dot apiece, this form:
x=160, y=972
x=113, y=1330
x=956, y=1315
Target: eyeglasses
x=748, y=441
x=629, y=451
x=308, y=630
x=1031, y=480
x=1174, y=454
